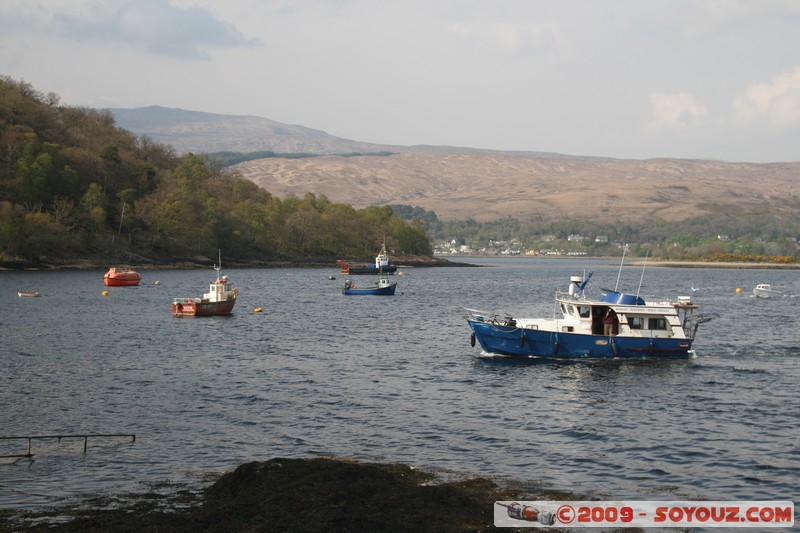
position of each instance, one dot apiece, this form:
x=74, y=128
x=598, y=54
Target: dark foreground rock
x=294, y=495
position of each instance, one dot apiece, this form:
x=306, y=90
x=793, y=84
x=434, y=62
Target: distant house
x=575, y=237
x=601, y=238
x=723, y=237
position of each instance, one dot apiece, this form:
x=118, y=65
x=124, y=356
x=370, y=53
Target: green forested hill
x=75, y=186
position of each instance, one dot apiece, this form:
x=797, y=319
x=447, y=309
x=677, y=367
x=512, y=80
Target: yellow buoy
x=105, y=293
x=257, y=310
x=400, y=273
x=738, y=289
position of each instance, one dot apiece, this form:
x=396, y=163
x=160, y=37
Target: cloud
x=156, y=27
x=541, y=38
x=675, y=111
x=776, y=104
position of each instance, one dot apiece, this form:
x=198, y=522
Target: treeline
x=73, y=185
x=728, y=233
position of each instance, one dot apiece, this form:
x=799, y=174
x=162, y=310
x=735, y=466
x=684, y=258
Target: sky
x=632, y=79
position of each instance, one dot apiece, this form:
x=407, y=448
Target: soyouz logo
x=760, y=514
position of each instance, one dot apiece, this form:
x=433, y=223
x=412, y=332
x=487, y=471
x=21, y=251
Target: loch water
x=394, y=379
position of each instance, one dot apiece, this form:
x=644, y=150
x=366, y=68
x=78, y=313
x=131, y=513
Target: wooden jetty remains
x=85, y=437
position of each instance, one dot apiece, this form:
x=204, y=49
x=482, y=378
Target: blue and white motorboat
x=383, y=287
x=663, y=329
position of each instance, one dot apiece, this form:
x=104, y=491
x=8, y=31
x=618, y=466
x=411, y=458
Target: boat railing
x=477, y=315
x=487, y=317
x=691, y=322
x=575, y=297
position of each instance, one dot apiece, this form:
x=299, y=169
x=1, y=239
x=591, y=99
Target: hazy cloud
x=776, y=103
x=676, y=111
x=156, y=27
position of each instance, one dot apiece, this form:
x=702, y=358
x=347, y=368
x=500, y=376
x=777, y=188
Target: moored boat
x=28, y=294
x=382, y=265
x=219, y=300
x=121, y=277
x=614, y=325
x=765, y=290
x=383, y=287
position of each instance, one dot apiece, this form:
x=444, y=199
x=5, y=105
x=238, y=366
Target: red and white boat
x=28, y=294
x=219, y=300
x=121, y=277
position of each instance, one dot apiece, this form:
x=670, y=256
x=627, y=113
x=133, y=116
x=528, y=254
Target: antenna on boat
x=218, y=267
x=624, y=249
x=646, y=255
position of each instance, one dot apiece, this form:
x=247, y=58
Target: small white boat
x=764, y=290
x=28, y=294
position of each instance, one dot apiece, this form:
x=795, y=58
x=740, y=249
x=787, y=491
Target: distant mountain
x=200, y=132
x=459, y=183
x=195, y=131
x=486, y=186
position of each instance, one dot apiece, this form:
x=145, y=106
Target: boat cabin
x=219, y=290
x=382, y=259
x=631, y=316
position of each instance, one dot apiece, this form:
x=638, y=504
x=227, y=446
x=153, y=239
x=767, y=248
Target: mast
x=624, y=248
x=642, y=277
x=218, y=267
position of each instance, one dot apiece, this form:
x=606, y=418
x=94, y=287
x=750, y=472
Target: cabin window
x=585, y=311
x=658, y=323
x=571, y=310
x=636, y=322
x=567, y=329
x=564, y=309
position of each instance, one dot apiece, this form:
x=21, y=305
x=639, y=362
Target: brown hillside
x=490, y=186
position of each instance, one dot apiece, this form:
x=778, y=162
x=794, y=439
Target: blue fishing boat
x=383, y=287
x=616, y=324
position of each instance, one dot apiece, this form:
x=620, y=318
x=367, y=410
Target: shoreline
x=641, y=261
x=721, y=264
x=404, y=261
x=21, y=265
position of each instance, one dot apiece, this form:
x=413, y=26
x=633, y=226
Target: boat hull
x=372, y=291
x=363, y=270
x=766, y=293
x=117, y=282
x=197, y=307
x=121, y=278
x=28, y=294
x=512, y=341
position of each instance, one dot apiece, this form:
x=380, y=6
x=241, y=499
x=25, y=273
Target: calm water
x=393, y=379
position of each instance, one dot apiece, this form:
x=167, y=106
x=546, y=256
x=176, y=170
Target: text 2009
x=604, y=514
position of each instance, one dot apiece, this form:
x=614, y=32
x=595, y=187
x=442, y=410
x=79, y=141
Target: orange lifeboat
x=121, y=277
